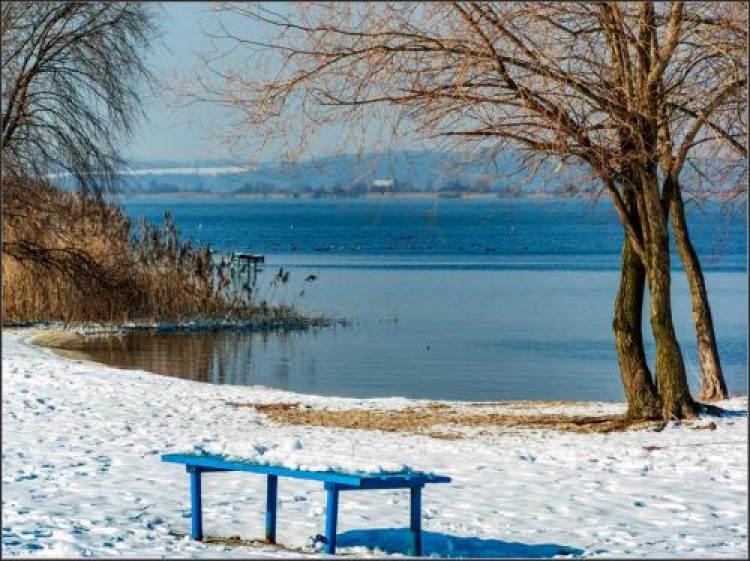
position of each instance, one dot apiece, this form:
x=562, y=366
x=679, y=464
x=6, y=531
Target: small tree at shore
x=72, y=77
x=611, y=85
x=71, y=74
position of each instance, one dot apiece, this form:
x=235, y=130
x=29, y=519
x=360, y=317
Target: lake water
x=448, y=299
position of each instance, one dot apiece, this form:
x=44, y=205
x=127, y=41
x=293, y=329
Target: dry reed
x=76, y=258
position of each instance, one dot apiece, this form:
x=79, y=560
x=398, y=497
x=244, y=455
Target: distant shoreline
x=412, y=195
x=418, y=195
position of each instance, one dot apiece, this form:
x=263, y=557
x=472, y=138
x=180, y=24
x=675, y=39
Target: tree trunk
x=713, y=386
x=640, y=392
x=671, y=381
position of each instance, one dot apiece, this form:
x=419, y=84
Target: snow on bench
x=334, y=481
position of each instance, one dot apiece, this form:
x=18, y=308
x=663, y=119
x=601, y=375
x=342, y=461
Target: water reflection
x=216, y=358
x=434, y=334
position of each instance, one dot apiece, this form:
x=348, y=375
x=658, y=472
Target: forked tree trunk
x=640, y=392
x=713, y=386
x=671, y=381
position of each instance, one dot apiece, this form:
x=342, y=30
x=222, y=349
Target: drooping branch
x=72, y=78
x=575, y=76
x=721, y=94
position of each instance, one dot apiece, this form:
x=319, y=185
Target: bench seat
x=334, y=482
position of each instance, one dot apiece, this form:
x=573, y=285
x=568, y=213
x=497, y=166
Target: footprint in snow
x=25, y=476
x=104, y=463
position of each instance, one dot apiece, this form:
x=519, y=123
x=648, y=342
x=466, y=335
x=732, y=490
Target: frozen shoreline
x=82, y=475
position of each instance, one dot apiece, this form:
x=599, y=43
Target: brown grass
x=443, y=421
x=239, y=541
x=73, y=258
x=57, y=339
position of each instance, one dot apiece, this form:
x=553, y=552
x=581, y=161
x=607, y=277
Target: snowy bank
x=82, y=475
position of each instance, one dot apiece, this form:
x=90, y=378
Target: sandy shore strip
x=82, y=474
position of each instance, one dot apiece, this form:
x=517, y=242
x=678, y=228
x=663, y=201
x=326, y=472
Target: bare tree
x=705, y=128
x=630, y=90
x=71, y=78
x=72, y=73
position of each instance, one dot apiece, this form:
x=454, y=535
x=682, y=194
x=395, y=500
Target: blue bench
x=333, y=482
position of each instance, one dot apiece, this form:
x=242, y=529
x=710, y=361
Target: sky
x=172, y=132
x=179, y=133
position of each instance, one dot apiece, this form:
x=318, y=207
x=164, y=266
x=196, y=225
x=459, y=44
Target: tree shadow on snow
x=396, y=540
x=716, y=411
x=732, y=413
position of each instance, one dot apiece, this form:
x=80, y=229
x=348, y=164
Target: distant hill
x=166, y=164
x=403, y=171
x=344, y=174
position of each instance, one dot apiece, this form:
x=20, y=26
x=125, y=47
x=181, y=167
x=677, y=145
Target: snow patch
x=82, y=475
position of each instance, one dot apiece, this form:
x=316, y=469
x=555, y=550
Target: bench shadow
x=397, y=540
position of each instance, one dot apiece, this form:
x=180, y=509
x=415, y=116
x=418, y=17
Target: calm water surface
x=466, y=300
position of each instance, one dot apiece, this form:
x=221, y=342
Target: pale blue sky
x=171, y=132
x=180, y=133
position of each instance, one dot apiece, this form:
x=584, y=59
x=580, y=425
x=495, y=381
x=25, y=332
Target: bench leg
x=272, y=487
x=332, y=508
x=195, y=503
x=415, y=521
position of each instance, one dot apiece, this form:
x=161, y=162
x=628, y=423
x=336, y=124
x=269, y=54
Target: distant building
x=383, y=183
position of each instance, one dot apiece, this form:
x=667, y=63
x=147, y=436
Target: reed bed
x=76, y=258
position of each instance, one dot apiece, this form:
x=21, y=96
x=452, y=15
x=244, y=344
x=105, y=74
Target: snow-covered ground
x=82, y=475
